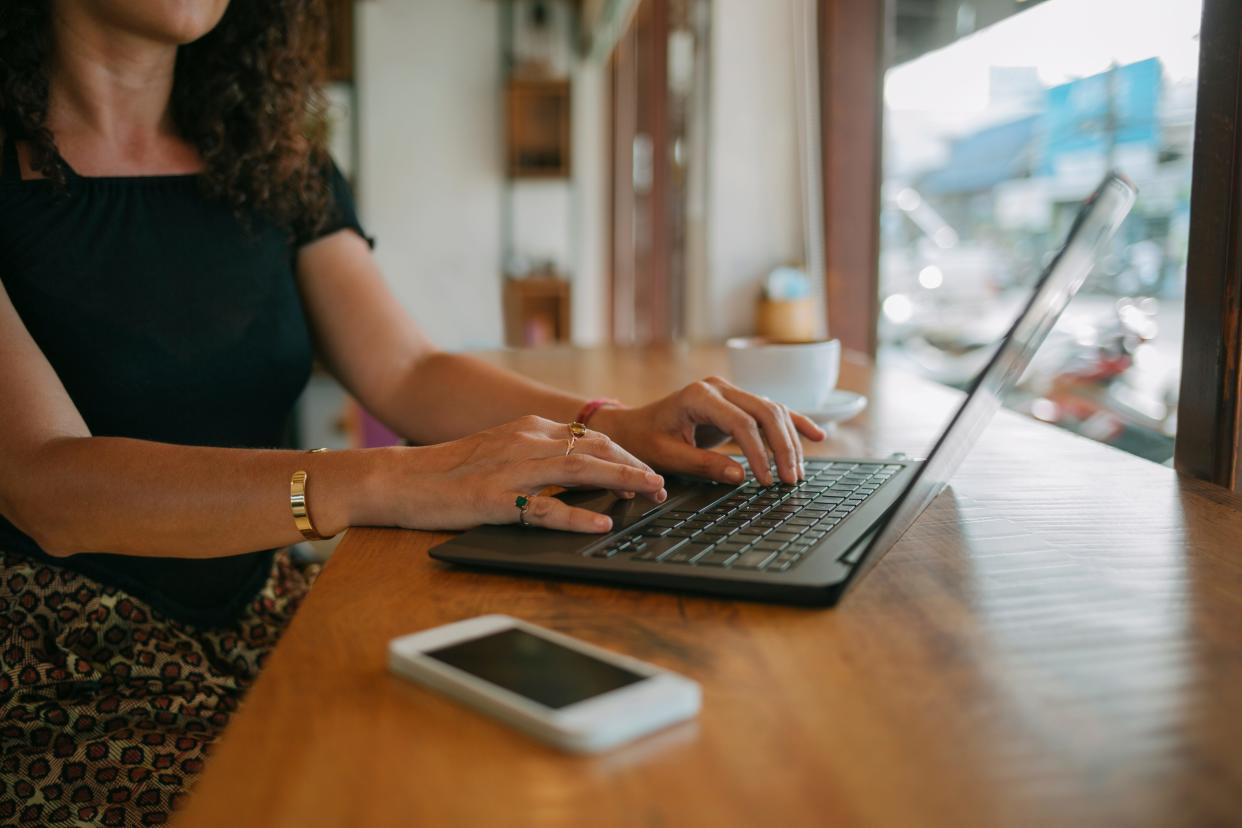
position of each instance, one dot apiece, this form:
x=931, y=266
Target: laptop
x=806, y=543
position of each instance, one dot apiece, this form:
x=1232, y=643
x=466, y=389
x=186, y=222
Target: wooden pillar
x=851, y=37
x=641, y=297
x=1209, y=417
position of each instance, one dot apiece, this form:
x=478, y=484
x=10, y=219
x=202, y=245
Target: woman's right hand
x=477, y=479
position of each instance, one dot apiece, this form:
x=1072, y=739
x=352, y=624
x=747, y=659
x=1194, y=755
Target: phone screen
x=531, y=666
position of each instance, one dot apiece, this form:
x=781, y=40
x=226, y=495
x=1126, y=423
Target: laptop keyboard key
x=681, y=555
x=754, y=560
x=769, y=528
x=655, y=548
x=695, y=548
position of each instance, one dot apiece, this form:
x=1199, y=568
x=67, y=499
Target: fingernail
x=603, y=523
x=734, y=474
x=661, y=496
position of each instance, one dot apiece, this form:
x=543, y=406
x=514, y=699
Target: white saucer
x=841, y=405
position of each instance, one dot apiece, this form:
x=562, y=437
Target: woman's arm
x=382, y=357
x=73, y=492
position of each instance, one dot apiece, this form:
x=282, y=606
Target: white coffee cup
x=801, y=375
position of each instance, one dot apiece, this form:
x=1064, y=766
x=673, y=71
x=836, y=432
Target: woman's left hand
x=673, y=434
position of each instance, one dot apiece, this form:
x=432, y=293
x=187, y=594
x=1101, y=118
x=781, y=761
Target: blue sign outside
x=1080, y=112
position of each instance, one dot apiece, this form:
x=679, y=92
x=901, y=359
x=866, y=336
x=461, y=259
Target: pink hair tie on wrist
x=588, y=410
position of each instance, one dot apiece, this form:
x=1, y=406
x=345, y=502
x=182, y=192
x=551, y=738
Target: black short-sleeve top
x=167, y=318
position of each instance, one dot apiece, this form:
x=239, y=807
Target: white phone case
x=594, y=724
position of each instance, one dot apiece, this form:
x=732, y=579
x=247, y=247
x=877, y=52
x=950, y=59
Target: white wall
x=589, y=207
x=431, y=170
x=431, y=176
x=430, y=160
x=754, y=217
x=541, y=213
x=564, y=220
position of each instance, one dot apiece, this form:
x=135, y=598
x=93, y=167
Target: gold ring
x=522, y=502
x=576, y=430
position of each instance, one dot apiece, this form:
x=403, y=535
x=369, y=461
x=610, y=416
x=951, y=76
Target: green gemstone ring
x=521, y=503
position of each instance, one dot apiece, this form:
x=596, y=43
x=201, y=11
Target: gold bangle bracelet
x=297, y=502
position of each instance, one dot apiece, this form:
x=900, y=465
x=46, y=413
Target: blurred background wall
x=754, y=210
x=432, y=185
x=430, y=137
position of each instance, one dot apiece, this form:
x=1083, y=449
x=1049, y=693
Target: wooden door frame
x=1209, y=412
x=643, y=285
x=851, y=76
x=621, y=129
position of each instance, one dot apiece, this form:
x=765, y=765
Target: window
x=990, y=144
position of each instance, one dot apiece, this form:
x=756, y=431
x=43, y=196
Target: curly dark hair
x=247, y=95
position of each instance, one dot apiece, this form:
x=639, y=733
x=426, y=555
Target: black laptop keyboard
x=755, y=527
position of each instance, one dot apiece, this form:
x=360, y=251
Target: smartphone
x=566, y=692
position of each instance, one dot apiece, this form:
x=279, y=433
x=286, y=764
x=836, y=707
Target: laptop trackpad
x=684, y=494
x=624, y=513
x=514, y=540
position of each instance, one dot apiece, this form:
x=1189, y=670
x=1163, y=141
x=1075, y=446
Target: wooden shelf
x=538, y=117
x=536, y=311
x=340, y=66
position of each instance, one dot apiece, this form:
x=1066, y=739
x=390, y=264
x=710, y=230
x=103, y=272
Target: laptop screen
x=1095, y=225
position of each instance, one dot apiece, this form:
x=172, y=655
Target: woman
x=174, y=244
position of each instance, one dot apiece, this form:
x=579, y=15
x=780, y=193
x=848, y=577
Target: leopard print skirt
x=107, y=708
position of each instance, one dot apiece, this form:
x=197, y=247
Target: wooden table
x=1057, y=641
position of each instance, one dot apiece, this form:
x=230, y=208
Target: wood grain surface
x=1057, y=641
